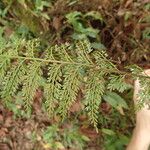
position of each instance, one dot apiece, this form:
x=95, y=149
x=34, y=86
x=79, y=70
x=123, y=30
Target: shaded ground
x=27, y=134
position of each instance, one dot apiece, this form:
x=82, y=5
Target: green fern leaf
x=94, y=91
x=66, y=65
x=117, y=82
x=31, y=47
x=144, y=94
x=31, y=82
x=82, y=49
x=63, y=52
x=4, y=64
x=6, y=52
x=70, y=88
x=103, y=62
x=12, y=80
x=52, y=89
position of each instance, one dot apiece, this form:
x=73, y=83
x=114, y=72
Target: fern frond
x=117, y=82
x=12, y=80
x=52, y=89
x=31, y=47
x=63, y=52
x=103, y=62
x=144, y=94
x=49, y=53
x=82, y=49
x=6, y=61
x=66, y=66
x=31, y=82
x=93, y=95
x=10, y=49
x=70, y=89
x=4, y=64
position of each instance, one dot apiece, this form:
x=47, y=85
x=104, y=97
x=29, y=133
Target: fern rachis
x=66, y=67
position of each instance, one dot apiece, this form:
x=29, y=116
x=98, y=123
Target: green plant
x=52, y=138
x=57, y=138
x=78, y=21
x=60, y=71
x=16, y=106
x=146, y=33
x=74, y=139
x=114, y=141
x=83, y=29
x=115, y=100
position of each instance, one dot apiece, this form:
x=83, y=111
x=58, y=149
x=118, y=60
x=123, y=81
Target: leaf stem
x=115, y=70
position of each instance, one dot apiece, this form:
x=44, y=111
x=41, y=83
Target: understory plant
x=61, y=71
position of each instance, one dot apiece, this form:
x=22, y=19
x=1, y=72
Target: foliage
x=22, y=69
x=146, y=33
x=114, y=141
x=16, y=106
x=115, y=100
x=76, y=19
x=82, y=28
x=54, y=138
x=117, y=83
x=50, y=137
